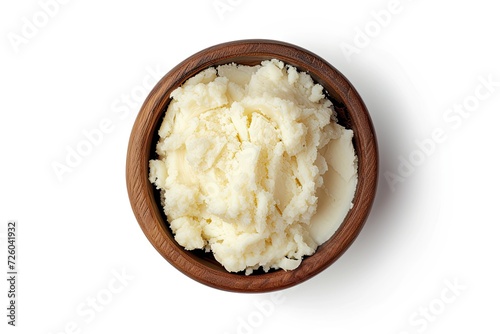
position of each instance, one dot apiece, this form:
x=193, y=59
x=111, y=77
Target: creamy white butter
x=244, y=153
x=339, y=185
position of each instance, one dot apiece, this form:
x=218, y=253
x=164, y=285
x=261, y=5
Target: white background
x=439, y=227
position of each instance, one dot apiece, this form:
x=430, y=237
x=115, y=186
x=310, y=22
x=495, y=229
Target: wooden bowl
x=144, y=198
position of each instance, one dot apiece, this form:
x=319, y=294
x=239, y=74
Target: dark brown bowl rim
x=352, y=113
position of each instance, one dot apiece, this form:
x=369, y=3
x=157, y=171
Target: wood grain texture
x=144, y=199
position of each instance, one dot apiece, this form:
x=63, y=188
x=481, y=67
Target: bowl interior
x=145, y=199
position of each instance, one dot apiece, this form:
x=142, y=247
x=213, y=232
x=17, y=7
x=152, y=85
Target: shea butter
x=253, y=167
